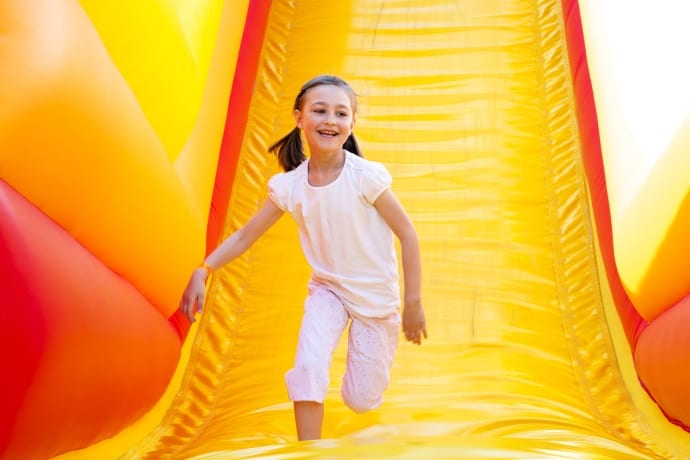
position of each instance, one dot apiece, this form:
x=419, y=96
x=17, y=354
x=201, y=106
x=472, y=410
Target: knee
x=360, y=401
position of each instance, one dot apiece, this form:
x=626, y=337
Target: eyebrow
x=326, y=103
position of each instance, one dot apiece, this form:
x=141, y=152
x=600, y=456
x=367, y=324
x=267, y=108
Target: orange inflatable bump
x=66, y=320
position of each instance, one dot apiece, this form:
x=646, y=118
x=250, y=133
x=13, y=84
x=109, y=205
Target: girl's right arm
x=231, y=248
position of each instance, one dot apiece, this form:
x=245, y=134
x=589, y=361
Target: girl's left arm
x=414, y=322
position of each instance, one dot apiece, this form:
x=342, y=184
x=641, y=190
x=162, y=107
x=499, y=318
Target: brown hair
x=289, y=149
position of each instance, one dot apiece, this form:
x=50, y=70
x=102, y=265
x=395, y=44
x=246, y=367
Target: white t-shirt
x=346, y=241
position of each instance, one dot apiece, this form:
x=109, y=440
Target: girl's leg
x=372, y=344
x=323, y=323
x=309, y=419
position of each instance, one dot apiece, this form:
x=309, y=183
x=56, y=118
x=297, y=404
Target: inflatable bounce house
x=542, y=149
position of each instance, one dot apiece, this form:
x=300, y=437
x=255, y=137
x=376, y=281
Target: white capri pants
x=371, y=346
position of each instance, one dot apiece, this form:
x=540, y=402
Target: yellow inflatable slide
x=133, y=137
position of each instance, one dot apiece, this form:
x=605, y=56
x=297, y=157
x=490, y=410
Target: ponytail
x=351, y=145
x=289, y=150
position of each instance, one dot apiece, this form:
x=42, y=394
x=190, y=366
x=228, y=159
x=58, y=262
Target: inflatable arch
x=548, y=183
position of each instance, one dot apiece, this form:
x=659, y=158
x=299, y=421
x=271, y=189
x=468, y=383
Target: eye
x=319, y=110
x=342, y=114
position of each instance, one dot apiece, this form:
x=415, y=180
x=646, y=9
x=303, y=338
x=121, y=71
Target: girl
x=347, y=215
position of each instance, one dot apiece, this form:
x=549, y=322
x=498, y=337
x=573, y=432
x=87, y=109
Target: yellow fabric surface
x=469, y=105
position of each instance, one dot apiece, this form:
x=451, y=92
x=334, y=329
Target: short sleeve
x=278, y=190
x=375, y=179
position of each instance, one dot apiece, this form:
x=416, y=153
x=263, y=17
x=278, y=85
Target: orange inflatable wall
x=109, y=146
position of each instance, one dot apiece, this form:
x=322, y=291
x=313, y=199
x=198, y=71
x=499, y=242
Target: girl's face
x=326, y=118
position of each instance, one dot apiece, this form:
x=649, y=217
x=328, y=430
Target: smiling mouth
x=328, y=133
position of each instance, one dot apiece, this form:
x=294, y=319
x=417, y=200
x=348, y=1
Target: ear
x=298, y=118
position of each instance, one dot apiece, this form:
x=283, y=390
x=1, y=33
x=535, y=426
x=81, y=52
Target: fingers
x=189, y=308
x=192, y=300
x=414, y=339
x=199, y=302
x=415, y=335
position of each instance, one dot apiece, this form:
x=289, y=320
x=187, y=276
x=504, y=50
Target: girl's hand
x=414, y=323
x=193, y=296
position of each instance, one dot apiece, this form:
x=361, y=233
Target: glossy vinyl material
x=117, y=158
x=99, y=225
x=471, y=107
